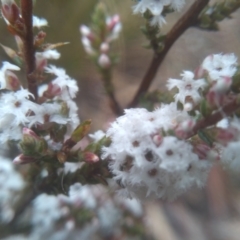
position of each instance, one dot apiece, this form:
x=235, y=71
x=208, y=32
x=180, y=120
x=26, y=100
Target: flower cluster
x=86, y=213
x=156, y=7
x=97, y=41
x=18, y=111
x=215, y=75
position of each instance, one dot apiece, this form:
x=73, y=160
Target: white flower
x=187, y=87
x=220, y=65
x=156, y=7
x=48, y=112
x=39, y=22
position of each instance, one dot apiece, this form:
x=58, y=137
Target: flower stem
x=187, y=20
x=29, y=51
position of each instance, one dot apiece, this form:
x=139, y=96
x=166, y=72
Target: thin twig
x=29, y=51
x=187, y=20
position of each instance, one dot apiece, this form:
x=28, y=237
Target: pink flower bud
x=30, y=133
x=90, y=157
x=104, y=47
x=104, y=61
x=86, y=32
x=112, y=22
x=22, y=159
x=157, y=139
x=10, y=11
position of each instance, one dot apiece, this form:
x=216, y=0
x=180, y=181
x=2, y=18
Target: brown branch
x=228, y=109
x=187, y=20
x=29, y=51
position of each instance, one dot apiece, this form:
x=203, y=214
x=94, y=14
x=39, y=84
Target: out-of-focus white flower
x=85, y=30
x=49, y=54
x=96, y=136
x=46, y=211
x=156, y=7
x=220, y=65
x=104, y=61
x=187, y=87
x=11, y=184
x=39, y=22
x=88, y=46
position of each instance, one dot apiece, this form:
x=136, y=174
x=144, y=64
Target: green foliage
x=211, y=15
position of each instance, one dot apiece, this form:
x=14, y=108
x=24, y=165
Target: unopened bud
x=10, y=11
x=85, y=31
x=111, y=23
x=30, y=133
x=157, y=139
x=90, y=157
x=22, y=159
x=104, y=61
x=87, y=46
x=104, y=47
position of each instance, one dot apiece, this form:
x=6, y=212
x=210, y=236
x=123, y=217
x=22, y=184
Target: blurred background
x=212, y=213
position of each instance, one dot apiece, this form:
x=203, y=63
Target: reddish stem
x=29, y=51
x=189, y=19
